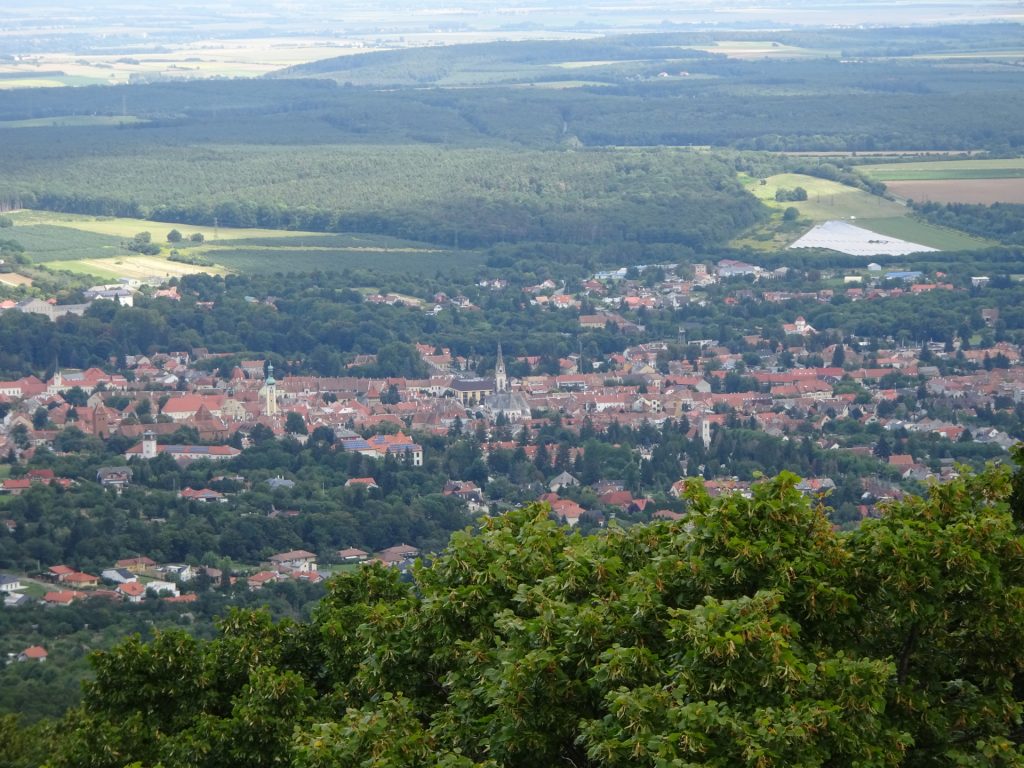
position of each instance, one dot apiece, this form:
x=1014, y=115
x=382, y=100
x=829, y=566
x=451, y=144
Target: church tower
x=148, y=445
x=500, y=377
x=705, y=433
x=270, y=392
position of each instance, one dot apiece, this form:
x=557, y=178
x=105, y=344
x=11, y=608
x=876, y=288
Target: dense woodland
x=306, y=153
x=753, y=634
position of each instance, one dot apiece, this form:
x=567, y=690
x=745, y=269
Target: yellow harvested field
x=128, y=228
x=139, y=267
x=980, y=191
x=12, y=278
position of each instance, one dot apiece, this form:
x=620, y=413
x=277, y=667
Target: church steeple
x=270, y=391
x=500, y=377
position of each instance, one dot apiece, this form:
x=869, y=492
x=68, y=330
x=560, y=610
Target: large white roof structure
x=856, y=241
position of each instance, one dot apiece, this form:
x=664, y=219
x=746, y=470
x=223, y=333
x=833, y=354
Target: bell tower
x=270, y=392
x=500, y=377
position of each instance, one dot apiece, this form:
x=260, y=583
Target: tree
x=294, y=424
x=839, y=356
x=40, y=418
x=791, y=213
x=749, y=634
x=174, y=236
x=196, y=237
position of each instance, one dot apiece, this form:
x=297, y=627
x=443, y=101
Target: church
x=512, y=404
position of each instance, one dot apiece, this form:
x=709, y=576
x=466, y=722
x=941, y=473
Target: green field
x=829, y=200
x=916, y=231
x=92, y=246
x=937, y=170
x=47, y=242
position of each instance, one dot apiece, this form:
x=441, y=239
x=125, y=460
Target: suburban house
x=10, y=583
x=114, y=477
x=203, y=495
x=33, y=653
x=352, y=555
x=295, y=560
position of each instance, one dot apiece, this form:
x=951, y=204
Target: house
x=135, y=564
x=132, y=591
x=78, y=579
x=63, y=597
x=10, y=583
x=114, y=477
x=352, y=555
x=15, y=486
x=563, y=480
x=58, y=572
x=119, y=576
x=295, y=560
x=33, y=653
x=257, y=580
x=397, y=555
x=203, y=495
x=162, y=588
x=364, y=482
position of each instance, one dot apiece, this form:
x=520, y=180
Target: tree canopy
x=748, y=634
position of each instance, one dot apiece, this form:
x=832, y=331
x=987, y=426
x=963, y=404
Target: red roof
x=35, y=652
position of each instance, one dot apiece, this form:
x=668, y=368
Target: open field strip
x=139, y=267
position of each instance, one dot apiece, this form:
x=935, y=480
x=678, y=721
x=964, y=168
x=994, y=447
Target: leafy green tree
x=174, y=236
x=749, y=634
x=294, y=424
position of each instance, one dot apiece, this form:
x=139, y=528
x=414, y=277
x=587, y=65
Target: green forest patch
x=72, y=121
x=271, y=260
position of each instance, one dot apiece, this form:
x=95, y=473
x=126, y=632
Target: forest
x=498, y=162
x=752, y=635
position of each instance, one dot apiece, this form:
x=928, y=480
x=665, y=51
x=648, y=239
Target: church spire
x=500, y=377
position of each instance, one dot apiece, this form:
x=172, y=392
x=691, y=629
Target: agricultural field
x=138, y=267
x=93, y=246
x=48, y=242
x=829, y=200
x=763, y=49
x=978, y=181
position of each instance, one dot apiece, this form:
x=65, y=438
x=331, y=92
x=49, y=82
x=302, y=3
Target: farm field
x=72, y=121
x=139, y=267
x=762, y=49
x=977, y=180
x=979, y=191
x=928, y=170
x=127, y=227
x=92, y=246
x=829, y=200
x=48, y=242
